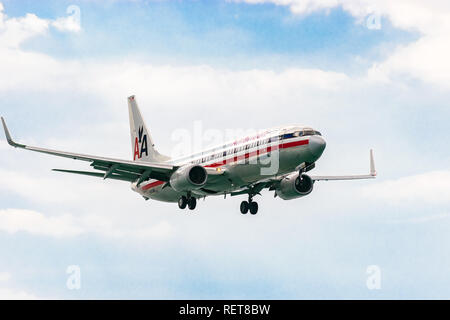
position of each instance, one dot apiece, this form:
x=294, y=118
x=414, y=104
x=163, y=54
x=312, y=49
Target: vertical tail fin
x=143, y=148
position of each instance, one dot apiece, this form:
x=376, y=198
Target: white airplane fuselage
x=247, y=161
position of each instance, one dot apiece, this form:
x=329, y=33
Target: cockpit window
x=301, y=133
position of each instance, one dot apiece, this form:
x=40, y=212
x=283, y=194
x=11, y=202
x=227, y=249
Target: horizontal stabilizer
x=97, y=174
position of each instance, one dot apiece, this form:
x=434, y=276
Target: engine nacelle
x=190, y=177
x=294, y=186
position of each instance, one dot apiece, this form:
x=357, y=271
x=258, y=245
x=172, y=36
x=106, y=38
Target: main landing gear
x=189, y=201
x=249, y=205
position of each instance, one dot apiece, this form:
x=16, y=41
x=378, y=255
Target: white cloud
x=427, y=188
x=25, y=70
x=426, y=59
x=18, y=65
x=67, y=24
x=406, y=14
x=309, y=6
x=17, y=220
x=65, y=225
x=161, y=230
x=70, y=23
x=4, y=276
x=39, y=189
x=14, y=31
x=111, y=228
x=422, y=219
x=10, y=293
x=32, y=71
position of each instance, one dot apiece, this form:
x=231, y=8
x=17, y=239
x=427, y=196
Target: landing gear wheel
x=182, y=202
x=244, y=207
x=253, y=206
x=192, y=203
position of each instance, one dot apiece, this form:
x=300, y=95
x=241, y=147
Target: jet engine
x=294, y=186
x=188, y=178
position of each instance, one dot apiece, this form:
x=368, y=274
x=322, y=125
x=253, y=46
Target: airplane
x=276, y=159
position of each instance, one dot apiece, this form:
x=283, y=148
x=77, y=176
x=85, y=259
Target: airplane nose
x=316, y=145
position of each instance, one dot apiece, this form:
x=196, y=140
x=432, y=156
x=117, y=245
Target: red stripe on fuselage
x=259, y=152
x=241, y=157
x=294, y=144
x=151, y=185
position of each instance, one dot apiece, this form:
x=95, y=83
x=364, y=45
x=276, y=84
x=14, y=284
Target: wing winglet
x=373, y=172
x=8, y=136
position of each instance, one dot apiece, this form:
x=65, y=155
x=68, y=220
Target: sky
x=367, y=74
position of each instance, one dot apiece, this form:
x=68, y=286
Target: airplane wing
x=117, y=169
x=372, y=174
x=272, y=183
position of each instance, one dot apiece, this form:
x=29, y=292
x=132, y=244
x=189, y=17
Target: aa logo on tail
x=140, y=145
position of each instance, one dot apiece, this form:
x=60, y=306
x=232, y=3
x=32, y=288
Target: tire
x=192, y=203
x=244, y=207
x=253, y=206
x=182, y=202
